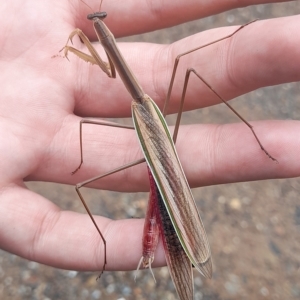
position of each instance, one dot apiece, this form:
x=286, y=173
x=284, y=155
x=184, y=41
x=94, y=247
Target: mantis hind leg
x=187, y=76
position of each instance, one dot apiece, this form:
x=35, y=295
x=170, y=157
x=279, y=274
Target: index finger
x=134, y=16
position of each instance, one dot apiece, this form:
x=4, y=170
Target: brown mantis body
x=178, y=219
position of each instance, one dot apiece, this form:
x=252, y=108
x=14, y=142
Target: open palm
x=43, y=97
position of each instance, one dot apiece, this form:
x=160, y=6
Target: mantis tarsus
x=179, y=213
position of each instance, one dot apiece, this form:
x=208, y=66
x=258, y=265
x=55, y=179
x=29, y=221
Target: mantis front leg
x=94, y=58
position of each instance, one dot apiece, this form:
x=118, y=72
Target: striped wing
x=162, y=159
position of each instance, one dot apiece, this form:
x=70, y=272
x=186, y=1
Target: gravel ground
x=253, y=227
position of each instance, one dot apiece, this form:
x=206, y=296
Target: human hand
x=43, y=99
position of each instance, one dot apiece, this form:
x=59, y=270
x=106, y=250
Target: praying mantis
x=174, y=207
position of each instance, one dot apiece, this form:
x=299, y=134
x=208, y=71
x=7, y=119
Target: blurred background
x=253, y=227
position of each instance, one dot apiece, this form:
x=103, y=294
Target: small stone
x=221, y=200
x=33, y=265
x=264, y=291
x=96, y=294
x=235, y=204
x=111, y=288
x=72, y=274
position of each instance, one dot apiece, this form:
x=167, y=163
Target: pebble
x=235, y=204
x=96, y=294
x=264, y=291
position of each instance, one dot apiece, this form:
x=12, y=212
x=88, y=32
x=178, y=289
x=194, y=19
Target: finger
x=133, y=17
x=229, y=153
x=217, y=153
x=258, y=55
x=37, y=230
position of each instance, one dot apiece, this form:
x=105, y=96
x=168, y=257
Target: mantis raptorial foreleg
x=94, y=58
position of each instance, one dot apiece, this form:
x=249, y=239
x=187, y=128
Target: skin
x=43, y=99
